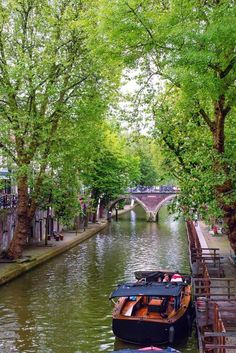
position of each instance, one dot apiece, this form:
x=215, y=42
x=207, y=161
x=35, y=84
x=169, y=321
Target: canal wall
x=44, y=222
x=36, y=254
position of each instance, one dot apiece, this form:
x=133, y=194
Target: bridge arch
x=127, y=197
x=151, y=213
x=160, y=204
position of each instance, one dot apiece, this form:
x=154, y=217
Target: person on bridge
x=176, y=277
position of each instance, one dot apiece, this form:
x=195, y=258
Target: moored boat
x=153, y=310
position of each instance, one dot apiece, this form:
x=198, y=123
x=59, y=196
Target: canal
x=63, y=307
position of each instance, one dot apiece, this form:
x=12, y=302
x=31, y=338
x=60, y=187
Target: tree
x=191, y=46
x=108, y=169
x=145, y=149
x=48, y=71
x=185, y=143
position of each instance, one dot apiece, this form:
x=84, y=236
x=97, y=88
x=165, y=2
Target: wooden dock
x=214, y=298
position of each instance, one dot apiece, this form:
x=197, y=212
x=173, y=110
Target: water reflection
x=133, y=217
x=63, y=307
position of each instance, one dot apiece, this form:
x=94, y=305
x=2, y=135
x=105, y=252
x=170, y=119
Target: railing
x=8, y=201
x=203, y=259
x=194, y=243
x=215, y=301
x=214, y=288
x=220, y=339
x=154, y=189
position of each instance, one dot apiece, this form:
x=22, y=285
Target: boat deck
x=160, y=309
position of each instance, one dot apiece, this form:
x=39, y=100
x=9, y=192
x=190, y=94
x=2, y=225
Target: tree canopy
x=108, y=169
x=50, y=78
x=190, y=47
x=60, y=68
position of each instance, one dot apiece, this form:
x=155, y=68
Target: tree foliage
x=146, y=150
x=49, y=74
x=190, y=46
x=60, y=64
x=108, y=169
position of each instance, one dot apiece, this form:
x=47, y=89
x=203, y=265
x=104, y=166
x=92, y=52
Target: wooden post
x=229, y=292
x=215, y=323
x=207, y=312
x=47, y=227
x=116, y=214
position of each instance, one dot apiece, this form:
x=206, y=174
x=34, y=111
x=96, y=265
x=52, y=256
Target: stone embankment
x=37, y=254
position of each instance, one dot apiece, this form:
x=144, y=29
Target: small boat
x=153, y=310
x=148, y=350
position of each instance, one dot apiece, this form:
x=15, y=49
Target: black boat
x=150, y=311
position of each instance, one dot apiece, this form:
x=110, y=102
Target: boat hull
x=141, y=331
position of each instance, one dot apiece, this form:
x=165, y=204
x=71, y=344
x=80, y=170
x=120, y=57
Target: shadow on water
x=63, y=307
x=186, y=345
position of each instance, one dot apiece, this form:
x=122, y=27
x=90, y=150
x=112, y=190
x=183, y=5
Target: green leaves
x=190, y=45
x=54, y=85
x=107, y=167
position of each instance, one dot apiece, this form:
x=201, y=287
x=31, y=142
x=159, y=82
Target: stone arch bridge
x=149, y=198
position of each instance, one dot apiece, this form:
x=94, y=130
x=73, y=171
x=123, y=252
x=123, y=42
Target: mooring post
x=116, y=213
x=109, y=216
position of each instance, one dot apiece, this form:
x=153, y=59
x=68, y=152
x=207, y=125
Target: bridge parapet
x=164, y=189
x=8, y=201
x=150, y=198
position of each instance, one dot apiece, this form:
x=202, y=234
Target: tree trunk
x=101, y=211
x=95, y=198
x=94, y=216
x=219, y=131
x=229, y=210
x=47, y=227
x=24, y=220
x=230, y=221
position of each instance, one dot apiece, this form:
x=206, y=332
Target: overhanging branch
x=8, y=151
x=206, y=118
x=228, y=68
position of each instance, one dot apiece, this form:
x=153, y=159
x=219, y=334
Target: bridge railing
x=8, y=201
x=154, y=189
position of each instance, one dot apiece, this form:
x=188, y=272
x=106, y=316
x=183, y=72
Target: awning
x=149, y=289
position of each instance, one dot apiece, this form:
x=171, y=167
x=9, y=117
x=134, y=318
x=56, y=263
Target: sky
x=133, y=108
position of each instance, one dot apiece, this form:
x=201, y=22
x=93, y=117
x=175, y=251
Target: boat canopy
x=150, y=289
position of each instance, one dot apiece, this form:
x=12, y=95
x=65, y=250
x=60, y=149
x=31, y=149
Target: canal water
x=63, y=307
